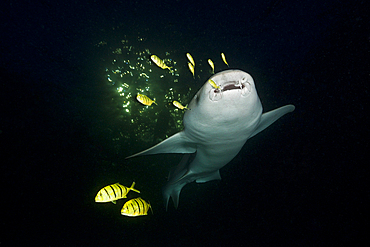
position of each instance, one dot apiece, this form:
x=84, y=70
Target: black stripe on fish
x=106, y=192
x=119, y=186
x=114, y=192
x=132, y=207
x=138, y=206
x=138, y=202
x=142, y=207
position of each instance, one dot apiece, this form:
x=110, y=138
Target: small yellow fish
x=212, y=65
x=191, y=68
x=112, y=193
x=178, y=105
x=159, y=62
x=190, y=59
x=213, y=84
x=136, y=207
x=145, y=100
x=224, y=59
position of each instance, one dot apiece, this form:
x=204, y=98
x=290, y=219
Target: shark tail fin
x=173, y=191
x=177, y=179
x=166, y=198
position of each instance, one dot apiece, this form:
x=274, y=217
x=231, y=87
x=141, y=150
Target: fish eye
x=215, y=94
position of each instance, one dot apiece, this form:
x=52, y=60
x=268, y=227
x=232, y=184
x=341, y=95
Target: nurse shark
x=216, y=126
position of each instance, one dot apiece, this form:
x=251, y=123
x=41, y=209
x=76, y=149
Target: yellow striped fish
x=178, y=105
x=190, y=59
x=213, y=84
x=191, y=68
x=224, y=59
x=159, y=62
x=136, y=207
x=210, y=62
x=112, y=193
x=145, y=100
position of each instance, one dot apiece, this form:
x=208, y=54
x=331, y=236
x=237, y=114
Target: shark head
x=233, y=100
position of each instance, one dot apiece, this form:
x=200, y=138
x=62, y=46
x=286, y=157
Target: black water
x=301, y=182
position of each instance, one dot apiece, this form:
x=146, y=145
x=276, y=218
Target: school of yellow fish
x=145, y=100
x=112, y=193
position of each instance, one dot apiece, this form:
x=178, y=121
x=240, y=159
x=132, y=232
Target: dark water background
x=301, y=182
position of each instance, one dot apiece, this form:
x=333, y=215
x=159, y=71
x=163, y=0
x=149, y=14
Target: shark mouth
x=243, y=85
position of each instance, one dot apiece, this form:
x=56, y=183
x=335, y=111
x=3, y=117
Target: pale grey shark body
x=217, y=124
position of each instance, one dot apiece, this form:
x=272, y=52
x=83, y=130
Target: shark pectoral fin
x=270, y=117
x=177, y=143
x=213, y=176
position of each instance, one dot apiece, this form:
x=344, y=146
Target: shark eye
x=215, y=94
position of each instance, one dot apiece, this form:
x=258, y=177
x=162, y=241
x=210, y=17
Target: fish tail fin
x=150, y=206
x=132, y=188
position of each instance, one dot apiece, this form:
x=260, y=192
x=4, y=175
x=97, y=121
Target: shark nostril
x=246, y=88
x=215, y=94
